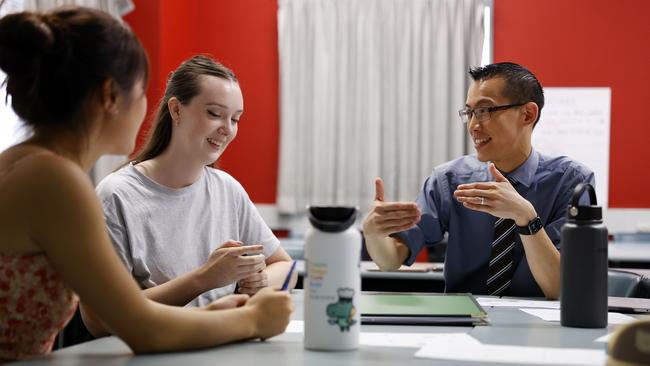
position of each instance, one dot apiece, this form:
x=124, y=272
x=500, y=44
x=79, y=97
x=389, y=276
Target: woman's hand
x=230, y=263
x=228, y=302
x=253, y=283
x=272, y=309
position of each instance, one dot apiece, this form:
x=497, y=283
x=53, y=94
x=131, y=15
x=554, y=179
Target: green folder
x=420, y=309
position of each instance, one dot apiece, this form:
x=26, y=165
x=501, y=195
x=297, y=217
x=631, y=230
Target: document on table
x=518, y=303
x=554, y=316
x=604, y=339
x=404, y=340
x=295, y=326
x=415, y=340
x=484, y=353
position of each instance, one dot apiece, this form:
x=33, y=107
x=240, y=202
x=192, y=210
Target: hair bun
x=24, y=39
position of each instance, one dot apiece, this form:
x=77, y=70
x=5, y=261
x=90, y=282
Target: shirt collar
x=526, y=171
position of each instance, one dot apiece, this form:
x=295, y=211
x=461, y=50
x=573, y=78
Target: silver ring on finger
x=482, y=200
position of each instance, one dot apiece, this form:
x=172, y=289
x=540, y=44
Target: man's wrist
x=532, y=227
x=526, y=217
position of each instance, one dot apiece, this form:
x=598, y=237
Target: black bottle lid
x=332, y=219
x=578, y=213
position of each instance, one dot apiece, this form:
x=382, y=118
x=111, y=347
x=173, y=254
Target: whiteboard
x=575, y=123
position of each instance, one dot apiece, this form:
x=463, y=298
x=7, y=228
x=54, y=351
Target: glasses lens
x=482, y=114
x=464, y=115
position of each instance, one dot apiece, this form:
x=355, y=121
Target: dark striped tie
x=501, y=263
x=501, y=266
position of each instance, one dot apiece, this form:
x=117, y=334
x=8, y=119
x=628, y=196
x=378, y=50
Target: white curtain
x=116, y=8
x=370, y=88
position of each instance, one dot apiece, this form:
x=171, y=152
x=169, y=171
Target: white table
x=508, y=326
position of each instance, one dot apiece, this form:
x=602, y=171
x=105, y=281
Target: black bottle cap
x=576, y=212
x=332, y=219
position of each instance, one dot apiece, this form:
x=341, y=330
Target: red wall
x=145, y=22
x=565, y=43
x=591, y=43
x=243, y=36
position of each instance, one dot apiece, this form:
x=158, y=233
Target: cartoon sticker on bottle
x=342, y=312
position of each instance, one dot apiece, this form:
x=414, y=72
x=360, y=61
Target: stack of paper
x=420, y=309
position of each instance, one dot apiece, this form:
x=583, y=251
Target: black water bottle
x=583, y=264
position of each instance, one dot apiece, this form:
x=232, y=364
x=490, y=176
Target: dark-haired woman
x=77, y=77
x=180, y=226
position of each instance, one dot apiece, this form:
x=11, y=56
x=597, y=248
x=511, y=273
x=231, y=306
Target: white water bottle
x=332, y=279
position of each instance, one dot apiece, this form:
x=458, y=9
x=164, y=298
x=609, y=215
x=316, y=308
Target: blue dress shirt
x=546, y=182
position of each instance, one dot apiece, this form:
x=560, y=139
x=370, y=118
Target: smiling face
x=505, y=138
x=209, y=122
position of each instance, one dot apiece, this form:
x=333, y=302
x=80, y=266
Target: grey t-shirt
x=161, y=233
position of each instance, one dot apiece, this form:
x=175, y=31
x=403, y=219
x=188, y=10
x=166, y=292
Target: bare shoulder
x=37, y=190
x=44, y=171
x=45, y=186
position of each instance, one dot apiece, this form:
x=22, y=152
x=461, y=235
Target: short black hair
x=521, y=85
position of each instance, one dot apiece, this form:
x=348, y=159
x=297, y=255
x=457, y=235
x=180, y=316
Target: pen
x=285, y=285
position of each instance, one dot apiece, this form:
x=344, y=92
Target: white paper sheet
x=405, y=340
x=295, y=326
x=414, y=340
x=551, y=315
x=517, y=303
x=604, y=339
x=483, y=353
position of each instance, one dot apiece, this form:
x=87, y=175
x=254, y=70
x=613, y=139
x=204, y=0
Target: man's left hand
x=498, y=198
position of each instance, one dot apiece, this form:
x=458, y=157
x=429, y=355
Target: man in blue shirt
x=502, y=207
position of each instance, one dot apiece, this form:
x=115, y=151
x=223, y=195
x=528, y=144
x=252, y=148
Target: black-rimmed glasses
x=483, y=114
